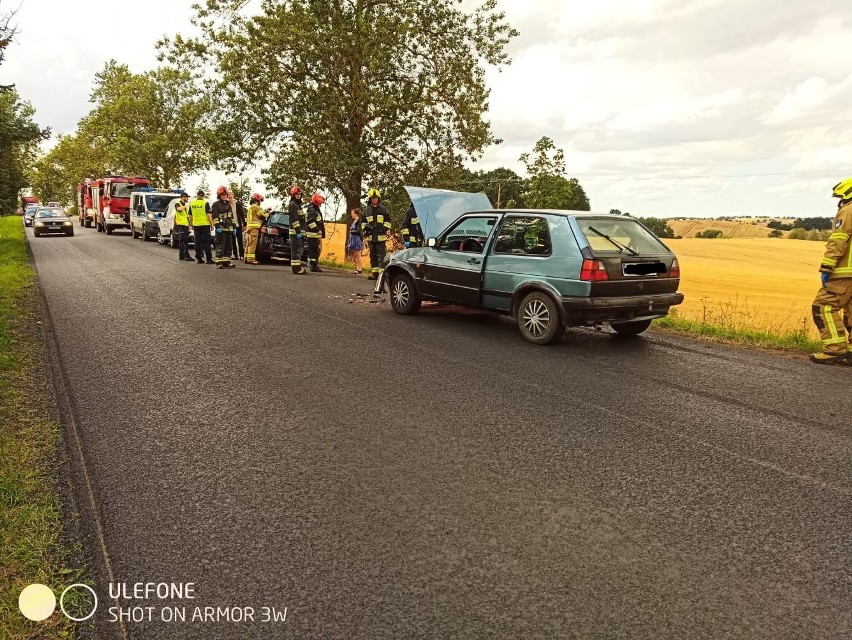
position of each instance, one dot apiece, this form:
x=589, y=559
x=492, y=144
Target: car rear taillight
x=272, y=231
x=674, y=270
x=593, y=270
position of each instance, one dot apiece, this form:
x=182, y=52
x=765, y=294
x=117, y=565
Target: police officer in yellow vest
x=181, y=226
x=202, y=222
x=254, y=220
x=835, y=296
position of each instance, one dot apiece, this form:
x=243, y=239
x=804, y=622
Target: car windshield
x=121, y=189
x=31, y=211
x=280, y=219
x=621, y=235
x=50, y=213
x=158, y=203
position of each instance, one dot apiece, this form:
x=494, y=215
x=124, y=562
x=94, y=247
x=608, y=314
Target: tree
x=658, y=227
x=19, y=138
x=504, y=187
x=148, y=123
x=7, y=32
x=548, y=188
x=74, y=157
x=776, y=233
x=344, y=95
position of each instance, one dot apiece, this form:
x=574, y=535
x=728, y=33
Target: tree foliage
x=658, y=226
x=504, y=187
x=349, y=94
x=19, y=138
x=148, y=123
x=548, y=188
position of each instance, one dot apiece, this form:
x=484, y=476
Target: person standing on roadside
x=355, y=241
x=376, y=227
x=254, y=220
x=240, y=221
x=294, y=213
x=835, y=296
x=202, y=223
x=412, y=234
x=182, y=225
x=223, y=214
x=315, y=231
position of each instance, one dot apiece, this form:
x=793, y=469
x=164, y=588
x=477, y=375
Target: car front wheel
x=632, y=328
x=403, y=297
x=538, y=318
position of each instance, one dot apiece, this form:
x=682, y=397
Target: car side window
x=523, y=235
x=468, y=235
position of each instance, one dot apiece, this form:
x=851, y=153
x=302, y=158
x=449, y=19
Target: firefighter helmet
x=317, y=199
x=221, y=190
x=374, y=193
x=257, y=197
x=295, y=190
x=843, y=190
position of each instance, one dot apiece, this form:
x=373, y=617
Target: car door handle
x=473, y=261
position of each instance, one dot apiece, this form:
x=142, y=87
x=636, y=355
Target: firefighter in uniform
x=376, y=225
x=224, y=220
x=254, y=220
x=294, y=212
x=182, y=225
x=201, y=222
x=835, y=295
x=315, y=231
x=412, y=234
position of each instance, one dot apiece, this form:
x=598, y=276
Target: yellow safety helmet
x=843, y=190
x=374, y=193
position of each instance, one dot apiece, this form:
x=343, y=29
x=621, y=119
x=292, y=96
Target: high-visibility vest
x=181, y=217
x=198, y=210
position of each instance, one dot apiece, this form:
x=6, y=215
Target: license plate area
x=642, y=269
x=54, y=227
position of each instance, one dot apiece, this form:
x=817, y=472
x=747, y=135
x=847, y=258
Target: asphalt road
x=263, y=437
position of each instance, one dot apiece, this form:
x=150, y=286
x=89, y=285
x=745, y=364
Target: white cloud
x=663, y=107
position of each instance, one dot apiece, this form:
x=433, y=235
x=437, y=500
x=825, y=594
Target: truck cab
x=111, y=201
x=147, y=208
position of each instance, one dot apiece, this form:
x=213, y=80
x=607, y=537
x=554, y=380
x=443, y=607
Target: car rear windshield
x=279, y=219
x=619, y=235
x=159, y=203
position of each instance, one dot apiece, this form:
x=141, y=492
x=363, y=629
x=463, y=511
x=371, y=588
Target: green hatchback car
x=547, y=269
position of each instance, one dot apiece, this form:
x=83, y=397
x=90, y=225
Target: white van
x=147, y=208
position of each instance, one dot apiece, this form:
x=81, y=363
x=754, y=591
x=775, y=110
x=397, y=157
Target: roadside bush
x=709, y=233
x=776, y=233
x=798, y=234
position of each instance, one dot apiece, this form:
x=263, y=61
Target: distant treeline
x=820, y=224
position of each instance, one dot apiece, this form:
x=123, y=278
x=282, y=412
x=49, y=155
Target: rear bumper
x=578, y=311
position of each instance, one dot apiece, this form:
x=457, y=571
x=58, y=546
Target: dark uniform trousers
x=202, y=243
x=182, y=232
x=378, y=251
x=225, y=243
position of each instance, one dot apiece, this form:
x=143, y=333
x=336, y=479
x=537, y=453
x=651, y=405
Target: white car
x=166, y=225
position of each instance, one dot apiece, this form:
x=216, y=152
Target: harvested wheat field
x=729, y=228
x=754, y=283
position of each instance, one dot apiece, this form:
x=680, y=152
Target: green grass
x=741, y=335
x=31, y=545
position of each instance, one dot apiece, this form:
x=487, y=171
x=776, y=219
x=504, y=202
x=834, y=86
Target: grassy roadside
x=740, y=335
x=31, y=545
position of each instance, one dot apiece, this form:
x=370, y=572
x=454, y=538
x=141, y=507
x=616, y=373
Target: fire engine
x=105, y=202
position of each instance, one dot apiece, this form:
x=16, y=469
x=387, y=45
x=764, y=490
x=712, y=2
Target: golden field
x=756, y=283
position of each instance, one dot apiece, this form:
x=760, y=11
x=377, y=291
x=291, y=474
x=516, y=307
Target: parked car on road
x=547, y=269
x=29, y=213
x=52, y=220
x=147, y=207
x=274, y=240
x=166, y=227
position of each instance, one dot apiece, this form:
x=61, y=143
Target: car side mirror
x=140, y=209
x=431, y=242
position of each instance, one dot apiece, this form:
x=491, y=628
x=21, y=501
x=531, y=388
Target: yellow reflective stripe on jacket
x=839, y=236
x=414, y=221
x=841, y=271
x=829, y=262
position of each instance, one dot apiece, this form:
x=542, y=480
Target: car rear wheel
x=538, y=318
x=145, y=236
x=108, y=230
x=133, y=233
x=403, y=297
x=632, y=328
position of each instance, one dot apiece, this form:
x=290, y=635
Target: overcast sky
x=663, y=107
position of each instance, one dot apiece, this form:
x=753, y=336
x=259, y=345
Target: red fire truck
x=106, y=201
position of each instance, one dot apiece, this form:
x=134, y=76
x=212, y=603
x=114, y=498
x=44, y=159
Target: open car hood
x=437, y=208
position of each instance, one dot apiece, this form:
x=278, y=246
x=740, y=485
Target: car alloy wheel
x=538, y=318
x=403, y=297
